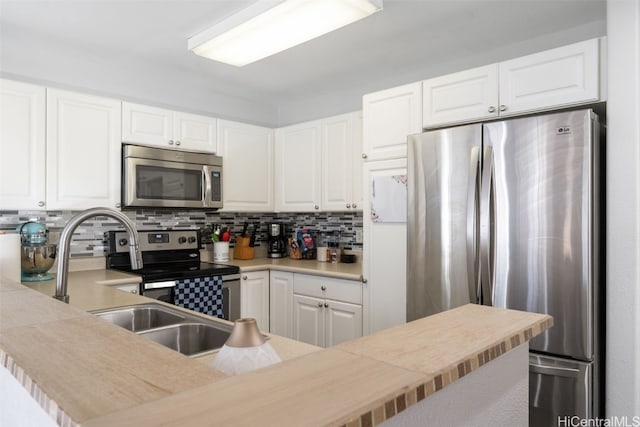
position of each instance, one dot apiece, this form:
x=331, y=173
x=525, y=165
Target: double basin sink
x=191, y=335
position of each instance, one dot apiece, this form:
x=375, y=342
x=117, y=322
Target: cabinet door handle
x=364, y=280
x=503, y=108
x=326, y=305
x=41, y=203
x=491, y=109
x=118, y=205
x=244, y=277
x=354, y=206
x=319, y=304
x=316, y=207
x=171, y=142
x=178, y=142
x=323, y=288
x=134, y=291
x=364, y=155
x=348, y=205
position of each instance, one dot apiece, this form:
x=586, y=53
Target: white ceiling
x=138, y=49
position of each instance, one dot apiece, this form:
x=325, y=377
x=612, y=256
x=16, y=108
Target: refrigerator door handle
x=486, y=225
x=553, y=371
x=475, y=291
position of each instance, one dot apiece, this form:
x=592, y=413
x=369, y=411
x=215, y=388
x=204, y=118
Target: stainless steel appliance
x=155, y=177
x=170, y=255
x=276, y=242
x=507, y=214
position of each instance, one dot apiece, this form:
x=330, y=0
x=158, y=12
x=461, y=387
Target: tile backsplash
x=88, y=238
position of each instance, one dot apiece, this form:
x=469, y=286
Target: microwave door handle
x=206, y=188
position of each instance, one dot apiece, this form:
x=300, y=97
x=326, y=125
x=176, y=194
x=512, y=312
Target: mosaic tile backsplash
x=88, y=238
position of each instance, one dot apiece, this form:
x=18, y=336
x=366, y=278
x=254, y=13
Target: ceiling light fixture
x=271, y=26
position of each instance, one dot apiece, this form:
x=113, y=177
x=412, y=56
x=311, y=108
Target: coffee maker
x=277, y=242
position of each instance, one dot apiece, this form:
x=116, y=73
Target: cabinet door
x=389, y=116
x=343, y=322
x=308, y=320
x=281, y=303
x=337, y=162
x=22, y=146
x=384, y=257
x=459, y=97
x=247, y=153
x=143, y=124
x=254, y=297
x=83, y=151
x=298, y=165
x=557, y=77
x=195, y=133
x=357, y=161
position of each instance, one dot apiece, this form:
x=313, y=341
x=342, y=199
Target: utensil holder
x=242, y=250
x=221, y=251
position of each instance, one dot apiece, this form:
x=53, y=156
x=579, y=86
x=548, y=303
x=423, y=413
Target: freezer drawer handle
x=555, y=371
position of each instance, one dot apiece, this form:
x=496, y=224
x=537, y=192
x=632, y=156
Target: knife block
x=242, y=250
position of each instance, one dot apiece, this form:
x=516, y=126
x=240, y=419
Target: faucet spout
x=65, y=243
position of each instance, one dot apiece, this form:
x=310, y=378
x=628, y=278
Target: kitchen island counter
x=83, y=370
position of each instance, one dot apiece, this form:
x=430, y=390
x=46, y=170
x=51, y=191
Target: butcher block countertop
x=85, y=371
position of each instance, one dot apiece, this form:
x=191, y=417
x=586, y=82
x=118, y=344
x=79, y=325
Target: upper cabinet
x=83, y=151
x=554, y=78
x=318, y=165
x=247, y=153
x=142, y=124
x=341, y=162
x=22, y=146
x=389, y=116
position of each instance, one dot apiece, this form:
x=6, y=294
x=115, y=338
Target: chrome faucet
x=65, y=241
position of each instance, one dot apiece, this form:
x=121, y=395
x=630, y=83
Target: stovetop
x=179, y=270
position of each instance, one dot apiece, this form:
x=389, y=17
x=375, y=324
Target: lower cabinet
x=281, y=303
x=326, y=311
x=254, y=297
x=130, y=288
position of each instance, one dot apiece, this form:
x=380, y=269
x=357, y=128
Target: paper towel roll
x=10, y=256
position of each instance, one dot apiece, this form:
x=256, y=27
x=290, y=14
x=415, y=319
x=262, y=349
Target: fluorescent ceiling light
x=271, y=26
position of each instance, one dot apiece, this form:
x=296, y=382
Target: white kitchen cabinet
x=281, y=303
x=254, y=297
x=554, y=78
x=463, y=96
x=384, y=257
x=568, y=75
x=132, y=288
x=298, y=167
x=247, y=153
x=143, y=124
x=342, y=162
x=22, y=146
x=83, y=151
x=389, y=116
x=326, y=311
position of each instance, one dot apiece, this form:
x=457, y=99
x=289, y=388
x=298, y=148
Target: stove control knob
x=182, y=239
x=192, y=239
x=123, y=242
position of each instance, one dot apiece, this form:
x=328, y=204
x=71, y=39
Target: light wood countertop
x=337, y=270
x=97, y=374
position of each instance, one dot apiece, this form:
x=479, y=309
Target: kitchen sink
x=141, y=317
x=176, y=329
x=189, y=338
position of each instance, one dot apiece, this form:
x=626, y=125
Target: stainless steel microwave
x=156, y=177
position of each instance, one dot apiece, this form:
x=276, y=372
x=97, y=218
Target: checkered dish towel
x=201, y=294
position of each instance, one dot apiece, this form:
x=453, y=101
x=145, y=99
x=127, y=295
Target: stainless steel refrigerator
x=507, y=214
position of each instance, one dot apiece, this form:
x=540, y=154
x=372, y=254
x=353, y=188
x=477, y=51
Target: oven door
x=165, y=292
x=159, y=183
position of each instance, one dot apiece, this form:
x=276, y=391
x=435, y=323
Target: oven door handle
x=160, y=285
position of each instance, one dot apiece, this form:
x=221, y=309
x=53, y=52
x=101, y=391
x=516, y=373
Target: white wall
x=623, y=210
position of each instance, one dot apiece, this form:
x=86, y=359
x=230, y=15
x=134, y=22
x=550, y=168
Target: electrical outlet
x=359, y=236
